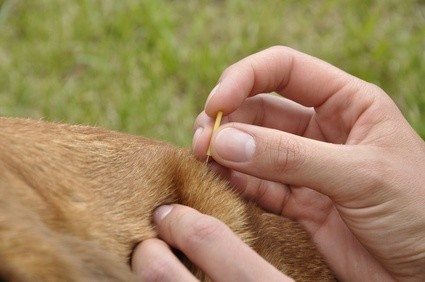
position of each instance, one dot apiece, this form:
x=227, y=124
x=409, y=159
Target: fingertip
x=201, y=144
x=211, y=107
x=212, y=93
x=234, y=87
x=202, y=120
x=161, y=212
x=196, y=135
x=202, y=135
x=144, y=249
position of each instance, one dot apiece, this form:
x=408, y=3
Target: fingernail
x=196, y=135
x=234, y=145
x=161, y=212
x=212, y=93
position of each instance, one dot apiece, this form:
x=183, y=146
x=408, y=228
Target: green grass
x=146, y=67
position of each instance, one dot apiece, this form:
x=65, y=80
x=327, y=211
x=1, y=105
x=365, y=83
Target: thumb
x=270, y=154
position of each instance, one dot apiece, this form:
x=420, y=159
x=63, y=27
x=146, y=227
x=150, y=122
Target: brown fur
x=74, y=202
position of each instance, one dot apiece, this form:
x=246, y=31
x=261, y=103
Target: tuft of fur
x=76, y=200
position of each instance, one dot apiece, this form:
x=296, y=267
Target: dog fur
x=76, y=200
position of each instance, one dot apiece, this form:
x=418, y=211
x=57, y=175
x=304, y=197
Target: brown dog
x=75, y=201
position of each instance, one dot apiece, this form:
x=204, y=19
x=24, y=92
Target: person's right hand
x=339, y=158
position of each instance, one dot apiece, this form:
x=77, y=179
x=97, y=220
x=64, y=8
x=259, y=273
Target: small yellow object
x=216, y=125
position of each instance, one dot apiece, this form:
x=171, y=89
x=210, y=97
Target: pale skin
x=333, y=152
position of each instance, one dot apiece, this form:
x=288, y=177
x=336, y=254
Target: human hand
x=207, y=242
x=335, y=155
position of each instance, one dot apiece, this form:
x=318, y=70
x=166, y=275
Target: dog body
x=75, y=201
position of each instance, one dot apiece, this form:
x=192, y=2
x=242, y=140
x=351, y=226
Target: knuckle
x=152, y=264
x=280, y=48
x=156, y=269
x=203, y=230
x=228, y=70
x=262, y=190
x=286, y=155
x=373, y=89
x=375, y=173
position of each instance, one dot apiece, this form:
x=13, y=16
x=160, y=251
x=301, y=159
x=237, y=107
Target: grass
x=146, y=67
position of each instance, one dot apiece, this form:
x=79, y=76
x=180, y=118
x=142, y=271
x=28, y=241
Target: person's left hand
x=207, y=242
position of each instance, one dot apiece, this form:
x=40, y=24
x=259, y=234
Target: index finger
x=212, y=246
x=297, y=76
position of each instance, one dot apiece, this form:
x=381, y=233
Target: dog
x=76, y=200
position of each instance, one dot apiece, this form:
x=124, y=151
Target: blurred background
x=147, y=66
